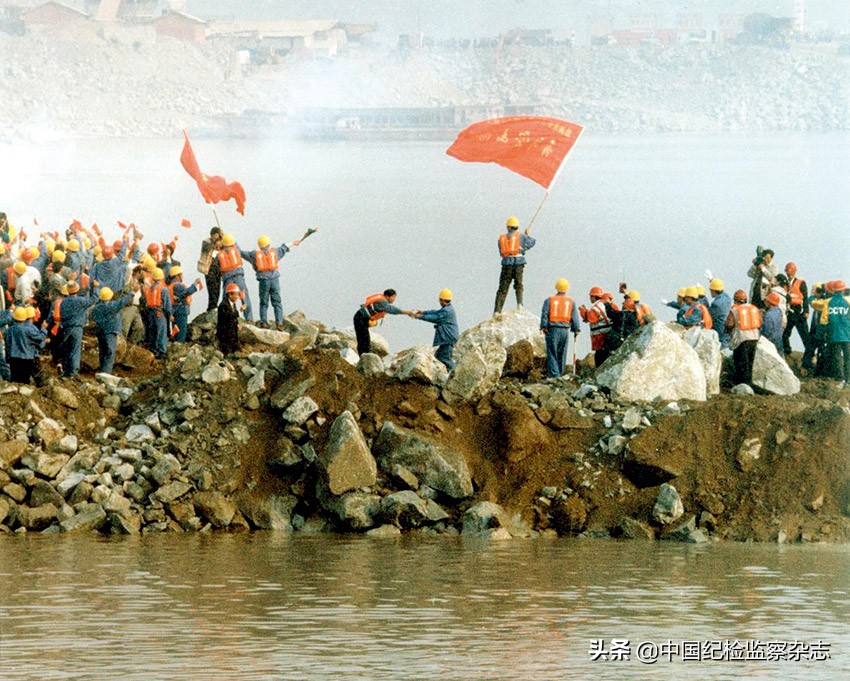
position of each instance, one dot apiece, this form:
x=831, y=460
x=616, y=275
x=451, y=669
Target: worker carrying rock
x=558, y=317
x=512, y=248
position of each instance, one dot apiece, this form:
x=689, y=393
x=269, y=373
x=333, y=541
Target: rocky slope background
x=125, y=81
x=296, y=434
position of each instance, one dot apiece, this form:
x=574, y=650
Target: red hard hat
x=117, y=244
x=772, y=298
x=607, y=296
x=108, y=252
x=153, y=248
x=232, y=288
x=740, y=296
x=791, y=269
x=838, y=285
x=596, y=292
x=27, y=256
x=828, y=286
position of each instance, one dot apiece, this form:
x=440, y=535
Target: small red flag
x=532, y=146
x=213, y=188
x=185, y=223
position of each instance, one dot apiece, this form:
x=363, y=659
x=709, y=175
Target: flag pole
x=215, y=215
x=537, y=212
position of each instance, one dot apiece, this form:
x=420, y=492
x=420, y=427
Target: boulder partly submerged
x=653, y=363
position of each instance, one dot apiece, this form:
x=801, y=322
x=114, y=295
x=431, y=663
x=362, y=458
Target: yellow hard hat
x=19, y=314
x=20, y=267
x=58, y=256
x=34, y=252
x=263, y=241
x=73, y=245
x=64, y=290
x=681, y=292
x=97, y=251
x=30, y=312
x=634, y=295
x=562, y=285
x=700, y=289
x=227, y=240
x=446, y=294
x=86, y=242
x=512, y=222
x=2, y=247
x=157, y=274
x=105, y=293
x=175, y=271
x=715, y=285
x=49, y=244
x=692, y=292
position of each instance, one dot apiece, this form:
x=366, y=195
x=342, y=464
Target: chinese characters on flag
x=214, y=188
x=532, y=146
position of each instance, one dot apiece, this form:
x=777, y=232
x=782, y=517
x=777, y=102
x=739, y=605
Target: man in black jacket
x=227, y=326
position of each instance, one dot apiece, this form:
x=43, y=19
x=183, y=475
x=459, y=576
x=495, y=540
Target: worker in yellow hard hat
x=512, y=248
x=230, y=265
x=158, y=313
x=446, y=331
x=73, y=311
x=721, y=303
x=679, y=303
x=23, y=342
x=181, y=298
x=106, y=315
x=265, y=261
x=558, y=317
x=694, y=312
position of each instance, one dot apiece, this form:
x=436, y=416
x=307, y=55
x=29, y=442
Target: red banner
x=531, y=146
x=213, y=188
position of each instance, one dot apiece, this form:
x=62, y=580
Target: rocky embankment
x=296, y=434
x=96, y=81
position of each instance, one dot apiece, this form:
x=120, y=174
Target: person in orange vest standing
x=598, y=316
x=372, y=311
x=265, y=260
x=797, y=315
x=512, y=248
x=159, y=310
x=558, y=317
x=744, y=326
x=230, y=266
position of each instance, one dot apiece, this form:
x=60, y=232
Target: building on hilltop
x=181, y=26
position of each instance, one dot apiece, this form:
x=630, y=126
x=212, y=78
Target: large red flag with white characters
x=214, y=188
x=532, y=146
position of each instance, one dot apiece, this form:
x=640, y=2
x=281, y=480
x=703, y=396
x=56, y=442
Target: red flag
x=532, y=146
x=185, y=223
x=214, y=188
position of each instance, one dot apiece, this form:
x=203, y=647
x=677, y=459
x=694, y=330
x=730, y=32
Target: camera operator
x=763, y=273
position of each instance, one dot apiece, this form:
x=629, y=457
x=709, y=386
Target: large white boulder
x=653, y=363
x=707, y=345
x=505, y=329
x=476, y=372
x=419, y=364
x=771, y=372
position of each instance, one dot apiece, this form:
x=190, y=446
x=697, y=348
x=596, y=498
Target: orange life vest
x=84, y=282
x=642, y=310
x=57, y=316
x=598, y=320
x=795, y=295
x=560, y=309
x=11, y=282
x=174, y=301
x=707, y=322
x=153, y=296
x=229, y=259
x=509, y=244
x=266, y=262
x=748, y=317
x=370, y=301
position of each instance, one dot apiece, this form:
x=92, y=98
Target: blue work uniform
x=107, y=318
x=689, y=315
x=268, y=282
x=181, y=308
x=557, y=337
x=719, y=311
x=237, y=276
x=446, y=332
x=158, y=318
x=74, y=311
x=109, y=272
x=771, y=327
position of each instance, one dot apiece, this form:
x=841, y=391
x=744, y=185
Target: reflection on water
x=269, y=606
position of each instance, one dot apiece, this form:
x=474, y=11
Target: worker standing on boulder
x=694, y=313
x=446, y=331
x=558, y=316
x=838, y=330
x=719, y=310
x=265, y=260
x=376, y=307
x=744, y=324
x=512, y=248
x=599, y=318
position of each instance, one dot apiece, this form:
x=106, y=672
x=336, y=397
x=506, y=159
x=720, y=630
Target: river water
x=269, y=606
x=655, y=211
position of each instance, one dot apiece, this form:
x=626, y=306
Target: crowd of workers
x=51, y=289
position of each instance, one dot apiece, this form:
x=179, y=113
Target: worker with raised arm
x=512, y=248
